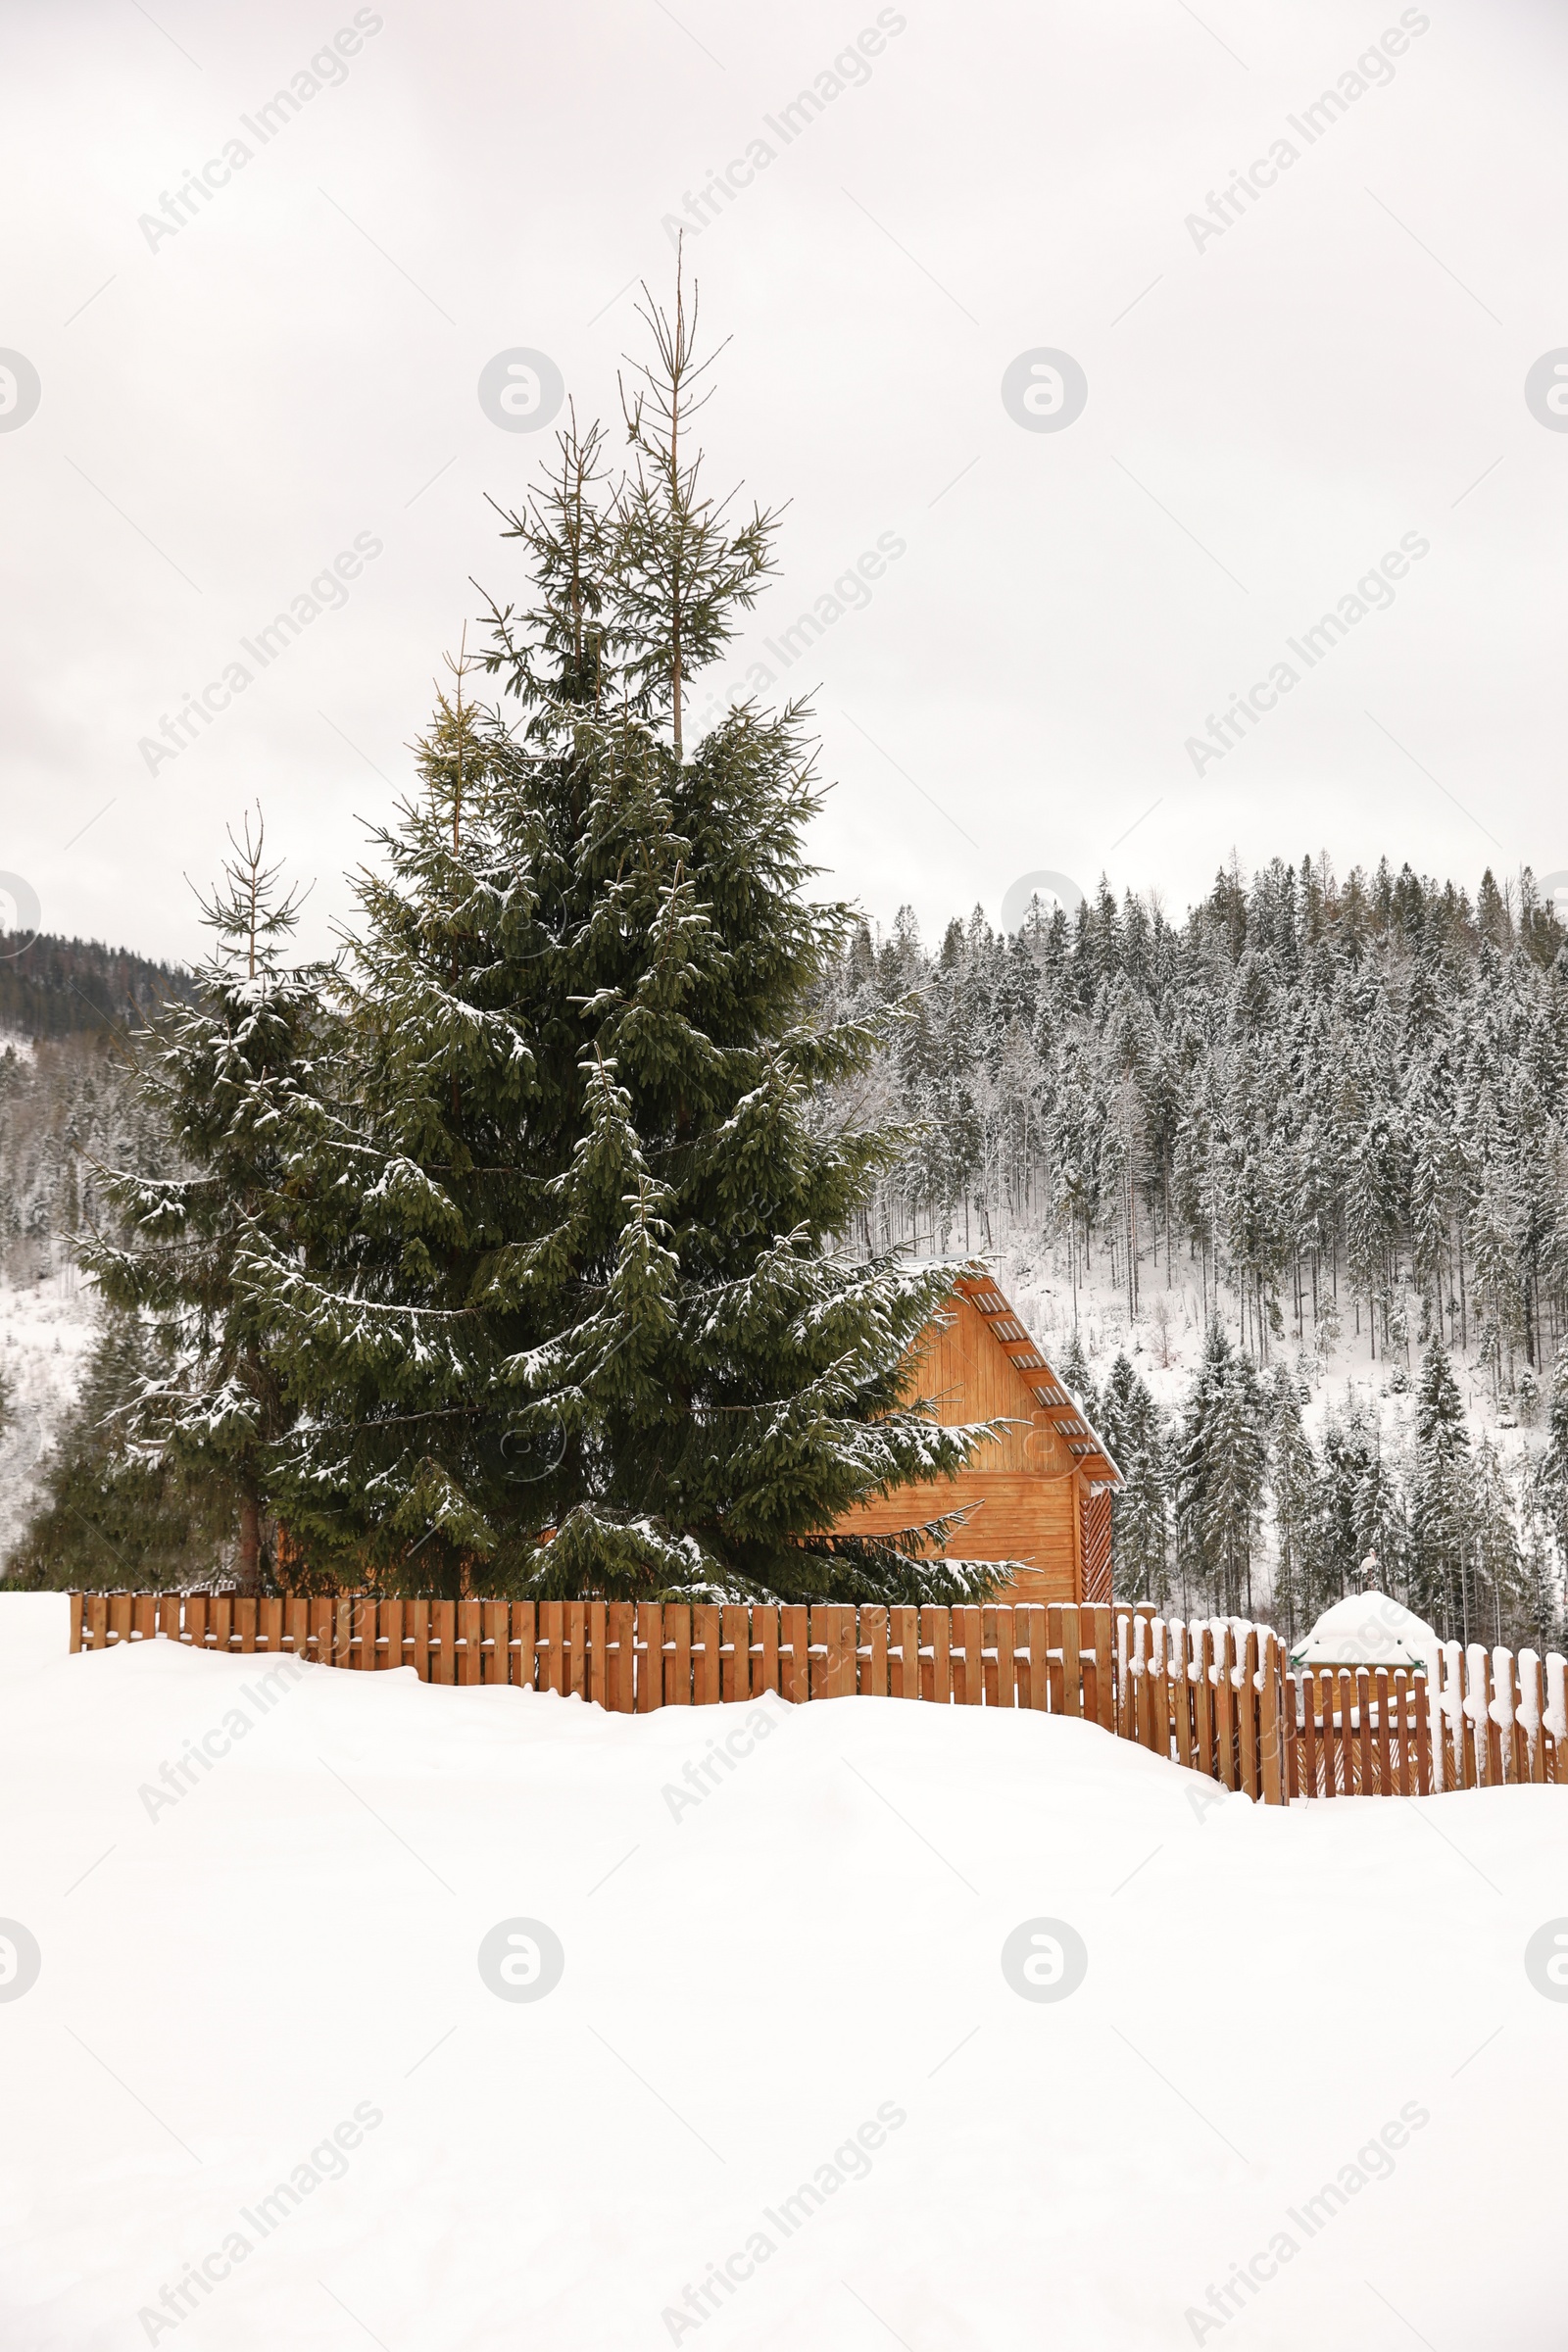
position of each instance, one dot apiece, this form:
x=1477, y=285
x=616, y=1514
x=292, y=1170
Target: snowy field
x=263, y=2093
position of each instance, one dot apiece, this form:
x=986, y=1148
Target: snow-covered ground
x=783, y=2093
x=46, y=1332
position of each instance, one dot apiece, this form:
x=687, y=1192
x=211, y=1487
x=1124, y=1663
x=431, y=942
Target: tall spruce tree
x=1131, y=1425
x=1440, y=1501
x=1293, y=1476
x=1553, y=1471
x=1221, y=1463
x=230, y=1075
x=570, y=1316
x=1494, y=1551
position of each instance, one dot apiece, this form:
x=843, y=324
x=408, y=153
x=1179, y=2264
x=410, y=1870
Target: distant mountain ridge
x=52, y=987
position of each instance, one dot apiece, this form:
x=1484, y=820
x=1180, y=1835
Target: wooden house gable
x=979, y=1363
x=965, y=1374
x=1038, y=1492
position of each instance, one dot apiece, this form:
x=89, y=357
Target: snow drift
x=263, y=2092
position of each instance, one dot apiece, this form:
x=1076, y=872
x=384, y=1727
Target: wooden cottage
x=1040, y=1494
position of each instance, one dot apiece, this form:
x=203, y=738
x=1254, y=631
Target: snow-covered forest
x=1284, y=1187
x=69, y=1103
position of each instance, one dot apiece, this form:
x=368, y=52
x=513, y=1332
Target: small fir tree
x=230, y=1076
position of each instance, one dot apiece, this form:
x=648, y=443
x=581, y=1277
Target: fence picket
x=707, y=1677
x=649, y=1655
x=493, y=1640
x=1268, y=1723
x=1247, y=1717
x=522, y=1645
x=1006, y=1674
x=765, y=1652
x=1475, y=1752
x=795, y=1654
x=735, y=1650
x=1037, y=1670
x=1399, y=1745
x=1536, y=1753
x=1486, y=1729
x=1516, y=1767
x=872, y=1654
x=1421, y=1716
x=1072, y=1664
x=466, y=1638
x=619, y=1671
x=967, y=1658
x=904, y=1652
x=1225, y=1706
x=936, y=1667
x=1181, y=1694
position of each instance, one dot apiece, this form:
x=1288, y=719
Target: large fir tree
x=570, y=1316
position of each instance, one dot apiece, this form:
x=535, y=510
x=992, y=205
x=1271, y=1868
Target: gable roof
x=1073, y=1424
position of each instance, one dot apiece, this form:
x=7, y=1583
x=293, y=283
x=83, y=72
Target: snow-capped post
x=1556, y=1717
x=231, y=1076
x=1271, y=1723
x=1502, y=1715
x=1531, y=1706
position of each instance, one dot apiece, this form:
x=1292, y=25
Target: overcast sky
x=1282, y=384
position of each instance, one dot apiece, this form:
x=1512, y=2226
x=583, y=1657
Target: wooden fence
x=1215, y=1697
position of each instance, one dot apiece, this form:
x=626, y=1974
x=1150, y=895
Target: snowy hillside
x=1164, y=1341
x=265, y=2089
x=46, y=1330
x=65, y=1102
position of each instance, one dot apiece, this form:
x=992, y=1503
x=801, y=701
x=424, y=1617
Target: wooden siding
x=1026, y=1495
x=1094, y=1521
